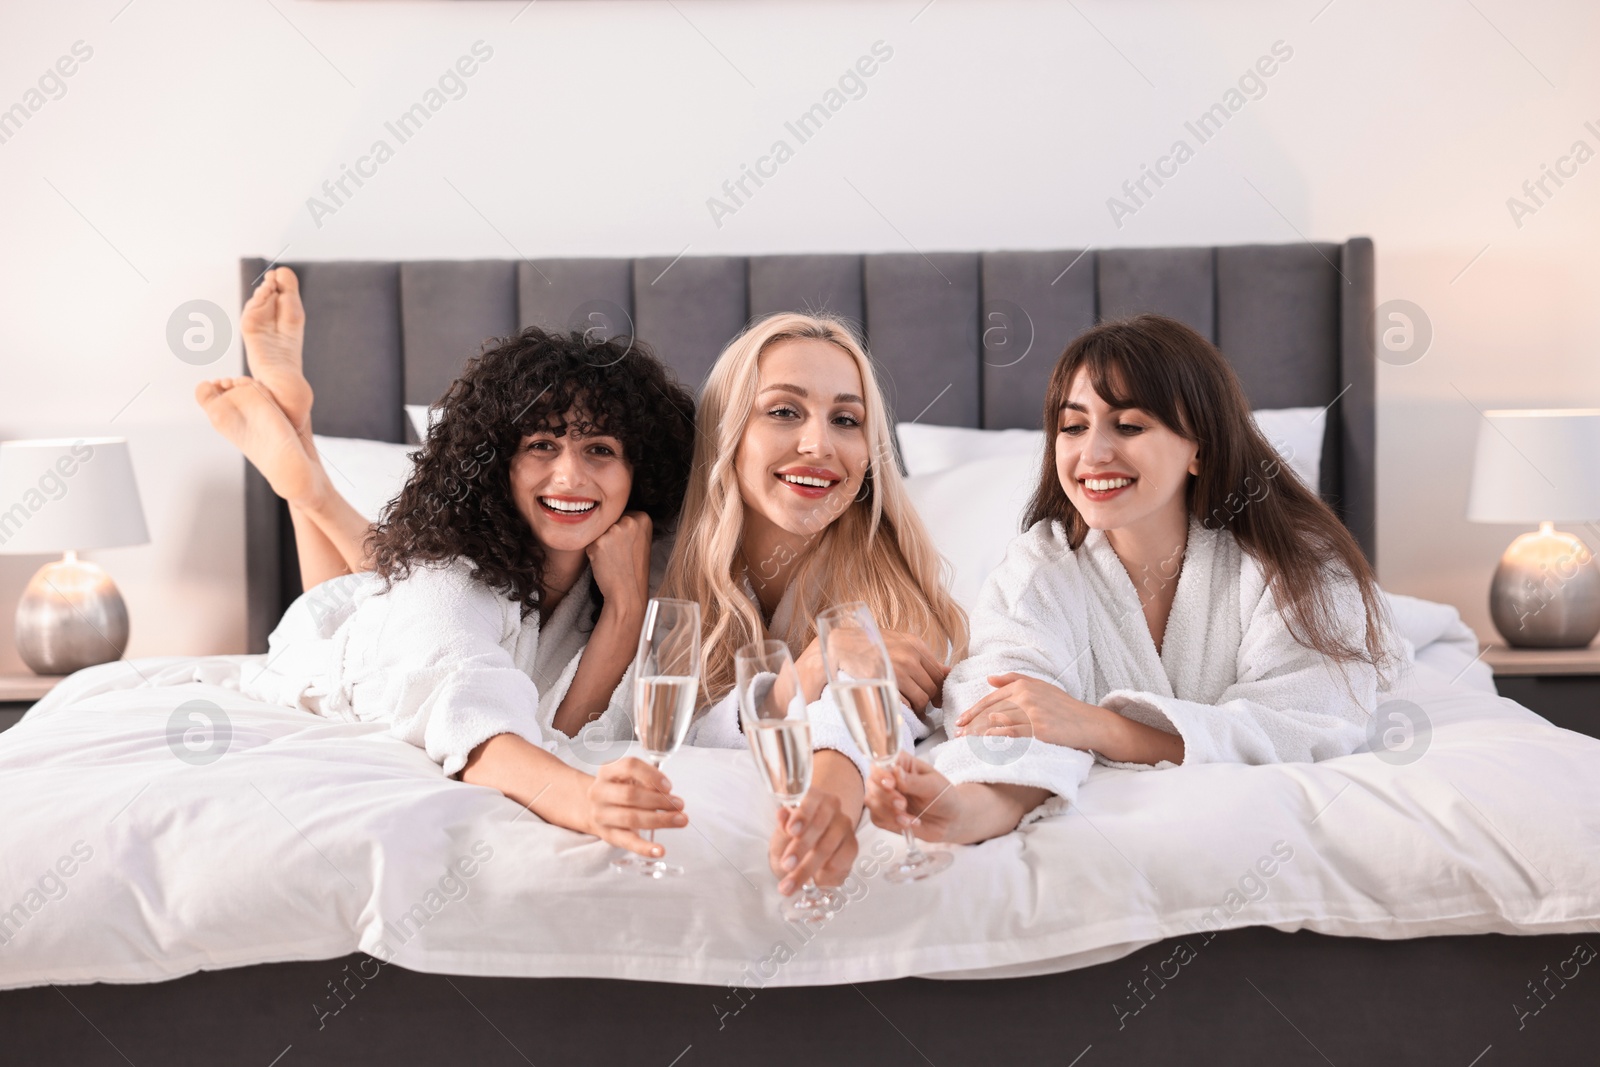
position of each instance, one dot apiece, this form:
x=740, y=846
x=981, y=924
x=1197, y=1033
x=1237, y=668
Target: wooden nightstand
x=1561, y=684
x=19, y=692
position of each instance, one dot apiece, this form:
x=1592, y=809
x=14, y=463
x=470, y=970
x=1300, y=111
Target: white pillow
x=926, y=449
x=421, y=417
x=972, y=511
x=368, y=473
x=1297, y=435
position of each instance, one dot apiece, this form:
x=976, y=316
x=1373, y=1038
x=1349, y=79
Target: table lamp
x=1542, y=466
x=68, y=495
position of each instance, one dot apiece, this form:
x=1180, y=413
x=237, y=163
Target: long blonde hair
x=876, y=550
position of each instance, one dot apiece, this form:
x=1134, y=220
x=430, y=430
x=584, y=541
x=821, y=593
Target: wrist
x=961, y=830
x=813, y=677
x=580, y=784
x=622, y=613
x=1112, y=735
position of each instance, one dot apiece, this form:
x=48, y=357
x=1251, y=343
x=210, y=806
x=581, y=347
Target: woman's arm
x=818, y=839
x=1024, y=707
x=935, y=809
x=620, y=560
x=605, y=659
x=624, y=797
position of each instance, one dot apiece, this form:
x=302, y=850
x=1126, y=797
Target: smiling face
x=570, y=489
x=1121, y=469
x=804, y=451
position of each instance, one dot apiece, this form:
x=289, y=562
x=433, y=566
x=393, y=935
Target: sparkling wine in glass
x=666, y=689
x=861, y=679
x=772, y=711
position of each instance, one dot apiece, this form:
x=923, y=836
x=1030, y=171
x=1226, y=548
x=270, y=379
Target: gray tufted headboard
x=962, y=338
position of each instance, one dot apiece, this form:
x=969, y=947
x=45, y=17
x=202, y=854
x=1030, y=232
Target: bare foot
x=273, y=325
x=241, y=410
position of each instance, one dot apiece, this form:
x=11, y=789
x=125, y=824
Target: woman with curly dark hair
x=495, y=609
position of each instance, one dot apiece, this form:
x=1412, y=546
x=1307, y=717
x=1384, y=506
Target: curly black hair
x=457, y=503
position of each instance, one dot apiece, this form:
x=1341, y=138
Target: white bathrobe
x=1229, y=679
x=443, y=659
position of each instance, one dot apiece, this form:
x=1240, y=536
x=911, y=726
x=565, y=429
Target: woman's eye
x=783, y=412
x=1130, y=428
x=847, y=420
x=1073, y=430
x=603, y=450
x=541, y=446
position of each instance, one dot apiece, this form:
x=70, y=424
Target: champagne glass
x=861, y=678
x=772, y=710
x=666, y=688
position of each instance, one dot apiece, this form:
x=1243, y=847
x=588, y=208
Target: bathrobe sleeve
x=438, y=671
x=1021, y=624
x=1289, y=703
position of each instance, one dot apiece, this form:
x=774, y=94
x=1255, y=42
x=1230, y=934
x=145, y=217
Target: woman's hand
x=629, y=795
x=917, y=670
x=620, y=558
x=913, y=796
x=813, y=675
x=1021, y=706
x=815, y=841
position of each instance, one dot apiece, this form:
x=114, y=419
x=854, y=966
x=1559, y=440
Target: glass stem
x=654, y=761
x=913, y=853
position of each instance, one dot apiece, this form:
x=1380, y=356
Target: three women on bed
x=586, y=445
x=1178, y=596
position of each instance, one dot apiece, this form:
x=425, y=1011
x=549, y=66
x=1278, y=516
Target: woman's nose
x=816, y=438
x=1100, y=448
x=567, y=471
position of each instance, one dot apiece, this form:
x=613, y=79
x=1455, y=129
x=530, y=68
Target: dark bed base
x=1251, y=996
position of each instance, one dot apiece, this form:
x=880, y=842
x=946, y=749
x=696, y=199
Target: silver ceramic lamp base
x=1546, y=592
x=70, y=617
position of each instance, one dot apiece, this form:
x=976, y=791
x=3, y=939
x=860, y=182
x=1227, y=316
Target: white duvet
x=141, y=845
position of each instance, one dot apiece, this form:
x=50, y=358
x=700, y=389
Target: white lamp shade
x=1537, y=466
x=70, y=493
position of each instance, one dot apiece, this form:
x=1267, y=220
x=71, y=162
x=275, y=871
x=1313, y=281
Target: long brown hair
x=1165, y=369
x=875, y=550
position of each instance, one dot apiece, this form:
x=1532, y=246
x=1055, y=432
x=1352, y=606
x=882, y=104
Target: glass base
x=812, y=906
x=797, y=909
x=647, y=868
x=918, y=865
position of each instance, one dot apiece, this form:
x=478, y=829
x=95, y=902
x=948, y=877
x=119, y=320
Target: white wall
x=197, y=130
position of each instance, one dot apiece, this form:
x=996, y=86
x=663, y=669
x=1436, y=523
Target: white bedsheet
x=310, y=839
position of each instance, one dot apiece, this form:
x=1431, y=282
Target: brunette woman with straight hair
x=1178, y=596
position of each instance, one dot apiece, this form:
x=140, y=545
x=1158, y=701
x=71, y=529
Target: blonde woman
x=794, y=504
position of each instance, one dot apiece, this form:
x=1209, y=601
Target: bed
x=277, y=888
